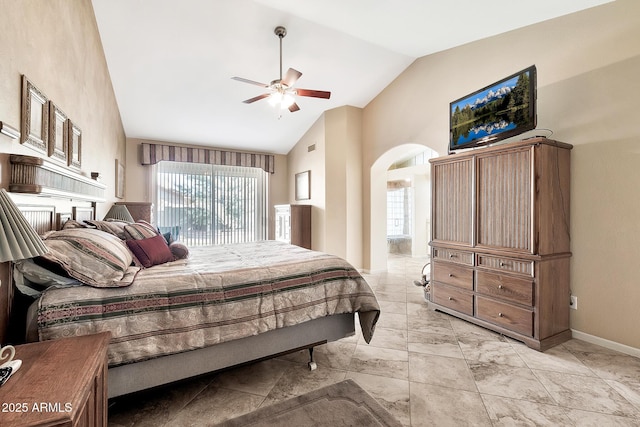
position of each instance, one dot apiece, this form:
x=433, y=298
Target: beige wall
x=588, y=66
x=278, y=189
x=138, y=176
x=343, y=197
x=300, y=159
x=336, y=181
x=55, y=43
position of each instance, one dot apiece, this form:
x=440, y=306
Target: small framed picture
x=119, y=180
x=74, y=149
x=58, y=133
x=303, y=185
x=35, y=117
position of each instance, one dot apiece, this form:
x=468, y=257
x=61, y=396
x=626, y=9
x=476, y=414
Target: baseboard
x=611, y=345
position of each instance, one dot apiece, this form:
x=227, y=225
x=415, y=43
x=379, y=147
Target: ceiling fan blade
x=240, y=79
x=291, y=77
x=256, y=98
x=313, y=93
x=294, y=107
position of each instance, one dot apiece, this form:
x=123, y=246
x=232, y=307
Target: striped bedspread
x=220, y=293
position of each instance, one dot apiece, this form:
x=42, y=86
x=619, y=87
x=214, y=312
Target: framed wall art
x=119, y=180
x=58, y=133
x=303, y=185
x=74, y=141
x=35, y=117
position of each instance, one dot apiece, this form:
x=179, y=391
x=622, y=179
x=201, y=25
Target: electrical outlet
x=573, y=302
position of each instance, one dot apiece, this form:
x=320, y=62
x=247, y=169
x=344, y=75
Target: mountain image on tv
x=491, y=111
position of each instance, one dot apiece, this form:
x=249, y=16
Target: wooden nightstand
x=61, y=383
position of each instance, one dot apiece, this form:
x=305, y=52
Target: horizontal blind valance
x=154, y=153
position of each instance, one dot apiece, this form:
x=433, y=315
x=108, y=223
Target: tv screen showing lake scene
x=501, y=110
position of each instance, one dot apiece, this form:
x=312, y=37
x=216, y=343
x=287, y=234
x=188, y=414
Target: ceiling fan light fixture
x=282, y=100
x=275, y=99
x=287, y=101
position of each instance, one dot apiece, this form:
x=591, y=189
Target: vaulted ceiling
x=171, y=62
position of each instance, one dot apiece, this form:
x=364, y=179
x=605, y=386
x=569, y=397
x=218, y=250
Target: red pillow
x=151, y=251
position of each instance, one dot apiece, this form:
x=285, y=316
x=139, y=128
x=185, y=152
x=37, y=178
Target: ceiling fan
x=281, y=91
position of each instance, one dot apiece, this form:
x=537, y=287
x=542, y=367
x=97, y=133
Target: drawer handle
x=450, y=298
x=450, y=275
x=504, y=264
x=500, y=315
x=500, y=287
x=452, y=255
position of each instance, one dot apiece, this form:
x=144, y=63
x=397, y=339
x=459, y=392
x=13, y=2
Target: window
x=399, y=212
x=204, y=204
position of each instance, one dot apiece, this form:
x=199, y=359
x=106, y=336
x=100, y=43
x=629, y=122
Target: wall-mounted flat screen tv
x=501, y=110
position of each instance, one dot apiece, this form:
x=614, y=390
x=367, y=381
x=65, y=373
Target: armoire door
x=452, y=197
x=504, y=200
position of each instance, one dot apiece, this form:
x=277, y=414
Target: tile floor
x=425, y=367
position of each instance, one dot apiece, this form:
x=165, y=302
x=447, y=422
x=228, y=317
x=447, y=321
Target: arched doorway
x=399, y=160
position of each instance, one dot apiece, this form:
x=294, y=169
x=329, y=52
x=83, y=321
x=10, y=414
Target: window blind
x=203, y=204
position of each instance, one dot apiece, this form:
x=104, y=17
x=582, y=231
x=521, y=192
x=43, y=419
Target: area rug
x=341, y=404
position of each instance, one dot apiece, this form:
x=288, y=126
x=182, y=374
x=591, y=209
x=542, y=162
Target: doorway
x=409, y=204
x=401, y=204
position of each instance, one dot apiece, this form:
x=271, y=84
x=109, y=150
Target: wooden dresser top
x=53, y=381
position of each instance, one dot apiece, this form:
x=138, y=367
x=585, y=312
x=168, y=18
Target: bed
x=221, y=306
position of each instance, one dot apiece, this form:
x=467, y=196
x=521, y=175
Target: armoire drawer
x=452, y=274
x=506, y=264
x=451, y=297
x=452, y=255
x=505, y=287
x=508, y=316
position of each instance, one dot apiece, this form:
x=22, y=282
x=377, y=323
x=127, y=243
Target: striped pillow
x=112, y=227
x=72, y=223
x=91, y=256
x=140, y=230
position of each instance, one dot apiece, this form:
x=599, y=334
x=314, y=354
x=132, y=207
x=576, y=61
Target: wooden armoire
x=293, y=224
x=500, y=239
